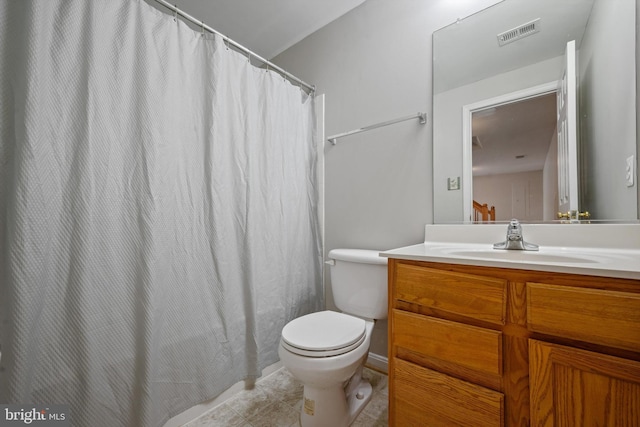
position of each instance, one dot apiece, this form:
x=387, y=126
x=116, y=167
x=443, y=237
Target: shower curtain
x=158, y=218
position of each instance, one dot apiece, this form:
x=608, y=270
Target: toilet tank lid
x=366, y=256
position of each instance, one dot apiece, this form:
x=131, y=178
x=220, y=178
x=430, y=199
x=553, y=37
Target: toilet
x=326, y=351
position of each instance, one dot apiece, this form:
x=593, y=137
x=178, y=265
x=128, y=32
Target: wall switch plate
x=453, y=183
x=629, y=171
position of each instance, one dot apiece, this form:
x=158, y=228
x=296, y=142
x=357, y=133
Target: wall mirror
x=496, y=79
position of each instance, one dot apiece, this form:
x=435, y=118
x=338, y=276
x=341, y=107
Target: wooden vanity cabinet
x=483, y=346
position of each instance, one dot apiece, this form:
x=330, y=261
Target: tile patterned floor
x=276, y=402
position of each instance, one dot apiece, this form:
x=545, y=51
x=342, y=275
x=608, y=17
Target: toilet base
x=323, y=407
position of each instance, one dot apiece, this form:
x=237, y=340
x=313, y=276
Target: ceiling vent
x=520, y=32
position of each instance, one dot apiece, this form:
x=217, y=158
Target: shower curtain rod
x=269, y=64
x=422, y=116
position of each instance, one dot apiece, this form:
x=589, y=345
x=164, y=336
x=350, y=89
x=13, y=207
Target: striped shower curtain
x=158, y=218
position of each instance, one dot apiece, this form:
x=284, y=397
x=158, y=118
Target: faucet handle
x=515, y=239
x=514, y=229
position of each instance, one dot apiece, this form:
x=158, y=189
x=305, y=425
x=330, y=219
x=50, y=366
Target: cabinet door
x=572, y=387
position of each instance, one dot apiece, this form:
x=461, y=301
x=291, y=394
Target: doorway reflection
x=514, y=157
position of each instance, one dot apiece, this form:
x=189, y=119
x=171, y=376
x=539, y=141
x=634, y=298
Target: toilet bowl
x=326, y=351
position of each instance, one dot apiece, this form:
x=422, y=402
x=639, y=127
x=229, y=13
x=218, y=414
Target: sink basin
x=606, y=250
x=524, y=256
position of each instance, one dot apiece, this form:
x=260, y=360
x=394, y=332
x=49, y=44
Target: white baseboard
x=380, y=363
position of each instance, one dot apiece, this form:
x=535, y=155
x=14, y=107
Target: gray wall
x=374, y=64
x=608, y=111
x=514, y=195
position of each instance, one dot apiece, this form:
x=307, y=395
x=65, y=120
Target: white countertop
x=590, y=249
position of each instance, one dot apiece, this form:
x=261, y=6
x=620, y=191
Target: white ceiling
x=267, y=27
x=514, y=137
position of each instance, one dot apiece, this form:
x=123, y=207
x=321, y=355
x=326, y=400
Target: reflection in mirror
x=513, y=159
x=470, y=67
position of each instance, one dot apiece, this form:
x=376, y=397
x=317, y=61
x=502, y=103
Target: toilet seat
x=323, y=334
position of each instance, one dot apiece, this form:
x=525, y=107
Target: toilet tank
x=359, y=282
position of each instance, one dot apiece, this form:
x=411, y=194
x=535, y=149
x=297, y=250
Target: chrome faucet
x=514, y=240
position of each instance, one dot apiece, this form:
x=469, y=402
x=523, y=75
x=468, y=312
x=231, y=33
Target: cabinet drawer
x=477, y=297
x=608, y=318
x=423, y=397
x=469, y=347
